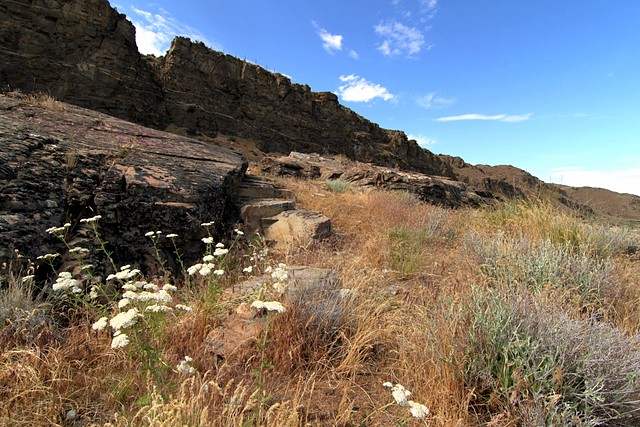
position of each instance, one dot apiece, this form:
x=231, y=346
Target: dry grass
x=405, y=320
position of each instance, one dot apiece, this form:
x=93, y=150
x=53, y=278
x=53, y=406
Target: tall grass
x=509, y=352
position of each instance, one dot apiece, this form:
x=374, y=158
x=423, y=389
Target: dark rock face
x=428, y=188
x=62, y=163
x=84, y=52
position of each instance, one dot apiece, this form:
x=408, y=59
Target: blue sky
x=549, y=86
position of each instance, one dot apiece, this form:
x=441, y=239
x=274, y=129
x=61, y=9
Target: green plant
x=546, y=367
x=336, y=185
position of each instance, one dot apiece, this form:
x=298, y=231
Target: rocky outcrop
x=60, y=163
x=84, y=52
x=432, y=189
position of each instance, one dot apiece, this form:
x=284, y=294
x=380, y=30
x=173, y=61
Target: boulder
x=296, y=228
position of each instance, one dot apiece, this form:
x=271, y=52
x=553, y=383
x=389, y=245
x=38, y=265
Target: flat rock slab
x=60, y=163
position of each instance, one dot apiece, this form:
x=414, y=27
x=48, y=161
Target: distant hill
x=84, y=53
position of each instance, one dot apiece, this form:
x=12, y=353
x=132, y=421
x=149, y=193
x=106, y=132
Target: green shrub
x=336, y=185
x=547, y=368
x=537, y=265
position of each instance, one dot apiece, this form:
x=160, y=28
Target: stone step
x=253, y=211
x=260, y=188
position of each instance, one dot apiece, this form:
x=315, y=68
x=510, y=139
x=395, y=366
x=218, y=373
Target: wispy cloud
x=621, y=180
x=426, y=8
x=431, y=100
x=399, y=39
x=358, y=89
x=330, y=42
x=498, y=117
x=155, y=30
x=422, y=140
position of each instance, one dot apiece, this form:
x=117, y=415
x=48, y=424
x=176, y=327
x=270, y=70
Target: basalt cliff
x=84, y=53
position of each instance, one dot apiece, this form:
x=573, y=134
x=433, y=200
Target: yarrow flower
x=269, y=306
x=248, y=269
x=400, y=395
x=208, y=258
x=183, y=307
x=120, y=340
x=220, y=252
x=168, y=287
x=48, y=257
x=238, y=232
x=66, y=281
x=207, y=240
x=56, y=230
x=92, y=219
x=172, y=235
x=207, y=224
x=125, y=319
x=100, y=324
x=184, y=368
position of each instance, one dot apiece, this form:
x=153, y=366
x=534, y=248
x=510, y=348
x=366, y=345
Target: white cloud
x=499, y=117
x=431, y=100
x=330, y=42
x=398, y=39
x=353, y=54
x=622, y=180
x=422, y=140
x=156, y=30
x=358, y=89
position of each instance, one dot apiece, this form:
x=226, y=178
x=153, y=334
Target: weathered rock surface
x=297, y=228
x=62, y=163
x=432, y=189
x=84, y=52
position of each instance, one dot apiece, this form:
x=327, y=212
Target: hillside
x=85, y=53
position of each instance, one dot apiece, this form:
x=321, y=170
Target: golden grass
x=409, y=275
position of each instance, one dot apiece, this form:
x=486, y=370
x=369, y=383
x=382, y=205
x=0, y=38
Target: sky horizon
x=552, y=88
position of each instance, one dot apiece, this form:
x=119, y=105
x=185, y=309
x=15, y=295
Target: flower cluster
x=280, y=276
x=65, y=281
x=57, y=231
x=400, y=395
x=145, y=297
x=208, y=266
x=184, y=366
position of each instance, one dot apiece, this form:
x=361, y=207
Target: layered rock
x=84, y=52
x=428, y=188
x=60, y=163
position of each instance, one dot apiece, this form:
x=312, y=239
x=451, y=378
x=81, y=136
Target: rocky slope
x=84, y=52
x=61, y=164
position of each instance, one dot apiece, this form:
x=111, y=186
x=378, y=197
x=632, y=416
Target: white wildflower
x=168, y=287
x=48, y=257
x=279, y=287
x=79, y=249
x=28, y=278
x=194, y=269
x=218, y=272
x=207, y=240
x=92, y=219
x=164, y=296
x=66, y=281
x=151, y=286
x=418, y=410
x=207, y=224
x=269, y=269
x=184, y=368
x=206, y=269
x=55, y=230
x=123, y=302
x=129, y=287
x=119, y=341
x=125, y=267
x=238, y=232
x=183, y=307
x=67, y=225
x=100, y=324
x=157, y=308
x=220, y=252
x=208, y=258
x=125, y=319
x=248, y=269
x=172, y=235
x=87, y=267
x=94, y=292
x=149, y=234
x=220, y=245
